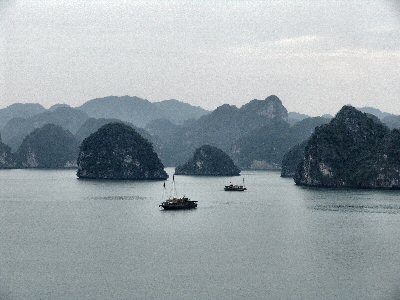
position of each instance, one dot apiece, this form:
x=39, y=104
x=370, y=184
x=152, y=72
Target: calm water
x=63, y=238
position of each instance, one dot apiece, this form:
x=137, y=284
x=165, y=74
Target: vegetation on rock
x=209, y=161
x=292, y=159
x=7, y=159
x=353, y=150
x=117, y=151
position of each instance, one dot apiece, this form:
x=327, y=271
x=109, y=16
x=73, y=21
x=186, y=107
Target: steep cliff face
x=292, y=159
x=50, y=146
x=353, y=150
x=209, y=161
x=117, y=151
x=7, y=159
x=270, y=108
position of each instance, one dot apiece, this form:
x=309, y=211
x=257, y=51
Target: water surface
x=63, y=238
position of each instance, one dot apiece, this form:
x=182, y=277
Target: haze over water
x=74, y=239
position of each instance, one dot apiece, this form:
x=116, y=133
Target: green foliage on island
x=353, y=150
x=209, y=161
x=50, y=146
x=7, y=159
x=117, y=151
x=91, y=125
x=292, y=159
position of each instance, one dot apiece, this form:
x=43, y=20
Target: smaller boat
x=235, y=188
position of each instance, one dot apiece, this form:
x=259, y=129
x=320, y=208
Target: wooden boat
x=178, y=203
x=174, y=202
x=235, y=188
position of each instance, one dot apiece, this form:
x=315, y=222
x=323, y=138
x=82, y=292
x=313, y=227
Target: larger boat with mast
x=235, y=188
x=174, y=202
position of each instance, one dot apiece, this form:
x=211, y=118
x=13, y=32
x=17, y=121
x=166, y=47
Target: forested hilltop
x=117, y=151
x=208, y=161
x=354, y=150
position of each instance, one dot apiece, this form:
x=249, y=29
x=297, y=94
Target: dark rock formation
x=354, y=150
x=7, y=159
x=50, y=146
x=292, y=159
x=92, y=125
x=209, y=161
x=270, y=108
x=117, y=151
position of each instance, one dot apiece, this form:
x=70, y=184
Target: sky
x=315, y=55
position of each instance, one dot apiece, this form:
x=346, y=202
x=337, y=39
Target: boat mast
x=173, y=186
x=163, y=194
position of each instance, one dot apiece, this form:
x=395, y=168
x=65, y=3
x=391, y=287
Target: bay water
x=64, y=238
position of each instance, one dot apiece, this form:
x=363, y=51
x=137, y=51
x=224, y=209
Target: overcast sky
x=315, y=55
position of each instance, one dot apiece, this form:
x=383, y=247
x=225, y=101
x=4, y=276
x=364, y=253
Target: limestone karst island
x=132, y=138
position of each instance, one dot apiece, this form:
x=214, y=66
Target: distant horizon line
x=47, y=107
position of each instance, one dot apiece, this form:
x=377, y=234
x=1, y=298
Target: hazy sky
x=315, y=55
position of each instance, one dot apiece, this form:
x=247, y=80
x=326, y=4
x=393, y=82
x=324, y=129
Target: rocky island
x=117, y=151
x=7, y=159
x=292, y=159
x=209, y=161
x=354, y=150
x=50, y=146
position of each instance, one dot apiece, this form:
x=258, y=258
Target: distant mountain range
x=391, y=120
x=19, y=110
x=255, y=136
x=221, y=128
x=139, y=111
x=14, y=132
x=19, y=120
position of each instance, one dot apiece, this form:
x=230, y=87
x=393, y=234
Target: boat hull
x=234, y=189
x=176, y=207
